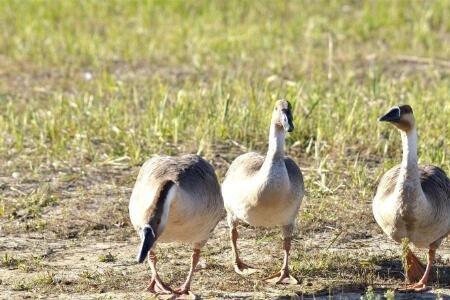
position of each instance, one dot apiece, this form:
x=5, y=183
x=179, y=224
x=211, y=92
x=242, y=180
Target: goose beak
x=392, y=116
x=148, y=239
x=286, y=121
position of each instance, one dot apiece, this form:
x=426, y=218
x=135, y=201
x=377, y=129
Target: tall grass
x=98, y=80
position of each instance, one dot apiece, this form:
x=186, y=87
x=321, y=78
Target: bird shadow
x=388, y=270
x=393, y=269
x=351, y=291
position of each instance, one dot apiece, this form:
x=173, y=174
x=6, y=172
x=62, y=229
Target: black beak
x=148, y=239
x=392, y=116
x=288, y=125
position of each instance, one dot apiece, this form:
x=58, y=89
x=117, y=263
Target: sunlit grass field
x=96, y=87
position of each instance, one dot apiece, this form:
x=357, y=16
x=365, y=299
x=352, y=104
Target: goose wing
x=435, y=183
x=193, y=175
x=295, y=175
x=436, y=187
x=245, y=165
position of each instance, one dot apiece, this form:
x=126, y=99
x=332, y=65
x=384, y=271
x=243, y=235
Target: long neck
x=409, y=176
x=275, y=152
x=276, y=142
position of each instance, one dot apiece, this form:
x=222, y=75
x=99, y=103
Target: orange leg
x=283, y=277
x=414, y=269
x=156, y=286
x=421, y=286
x=185, y=288
x=239, y=266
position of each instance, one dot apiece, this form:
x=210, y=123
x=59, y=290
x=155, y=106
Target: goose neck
x=276, y=143
x=409, y=146
x=409, y=170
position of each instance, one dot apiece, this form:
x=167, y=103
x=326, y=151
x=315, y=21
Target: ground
x=90, y=90
x=88, y=249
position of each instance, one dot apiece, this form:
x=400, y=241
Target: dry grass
x=89, y=91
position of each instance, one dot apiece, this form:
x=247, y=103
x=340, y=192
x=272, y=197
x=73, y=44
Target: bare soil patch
x=81, y=245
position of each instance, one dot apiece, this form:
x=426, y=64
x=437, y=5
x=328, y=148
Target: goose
x=175, y=199
x=265, y=192
x=413, y=201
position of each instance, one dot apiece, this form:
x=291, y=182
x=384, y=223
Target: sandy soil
x=82, y=247
x=70, y=261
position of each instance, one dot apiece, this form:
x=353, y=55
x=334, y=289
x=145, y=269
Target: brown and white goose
x=413, y=201
x=175, y=199
x=265, y=191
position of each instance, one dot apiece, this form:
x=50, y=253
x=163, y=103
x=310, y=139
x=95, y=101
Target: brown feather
x=435, y=185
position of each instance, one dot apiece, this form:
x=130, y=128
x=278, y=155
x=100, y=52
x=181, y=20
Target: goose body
x=426, y=219
x=175, y=199
x=265, y=191
x=266, y=198
x=413, y=201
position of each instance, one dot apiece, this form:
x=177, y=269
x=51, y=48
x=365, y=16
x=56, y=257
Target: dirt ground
x=81, y=246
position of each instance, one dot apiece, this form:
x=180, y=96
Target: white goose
x=175, y=199
x=265, y=191
x=413, y=201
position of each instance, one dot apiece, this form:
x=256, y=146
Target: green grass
x=107, y=257
x=103, y=85
x=10, y=262
x=182, y=77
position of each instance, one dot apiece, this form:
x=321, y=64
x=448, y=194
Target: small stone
x=88, y=76
x=57, y=279
x=15, y=175
x=202, y=264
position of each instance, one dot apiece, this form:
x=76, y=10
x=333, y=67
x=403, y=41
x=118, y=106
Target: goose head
x=150, y=232
x=401, y=117
x=282, y=115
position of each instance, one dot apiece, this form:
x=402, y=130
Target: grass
x=212, y=67
x=10, y=262
x=89, y=91
x=107, y=257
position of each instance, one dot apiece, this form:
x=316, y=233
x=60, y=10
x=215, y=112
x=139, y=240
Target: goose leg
x=156, y=286
x=239, y=266
x=421, y=286
x=284, y=277
x=414, y=269
x=183, y=292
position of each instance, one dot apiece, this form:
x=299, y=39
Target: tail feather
x=414, y=268
x=149, y=233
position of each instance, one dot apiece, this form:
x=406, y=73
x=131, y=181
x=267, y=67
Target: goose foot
x=184, y=294
x=243, y=269
x=282, y=277
x=415, y=268
x=416, y=287
x=156, y=286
